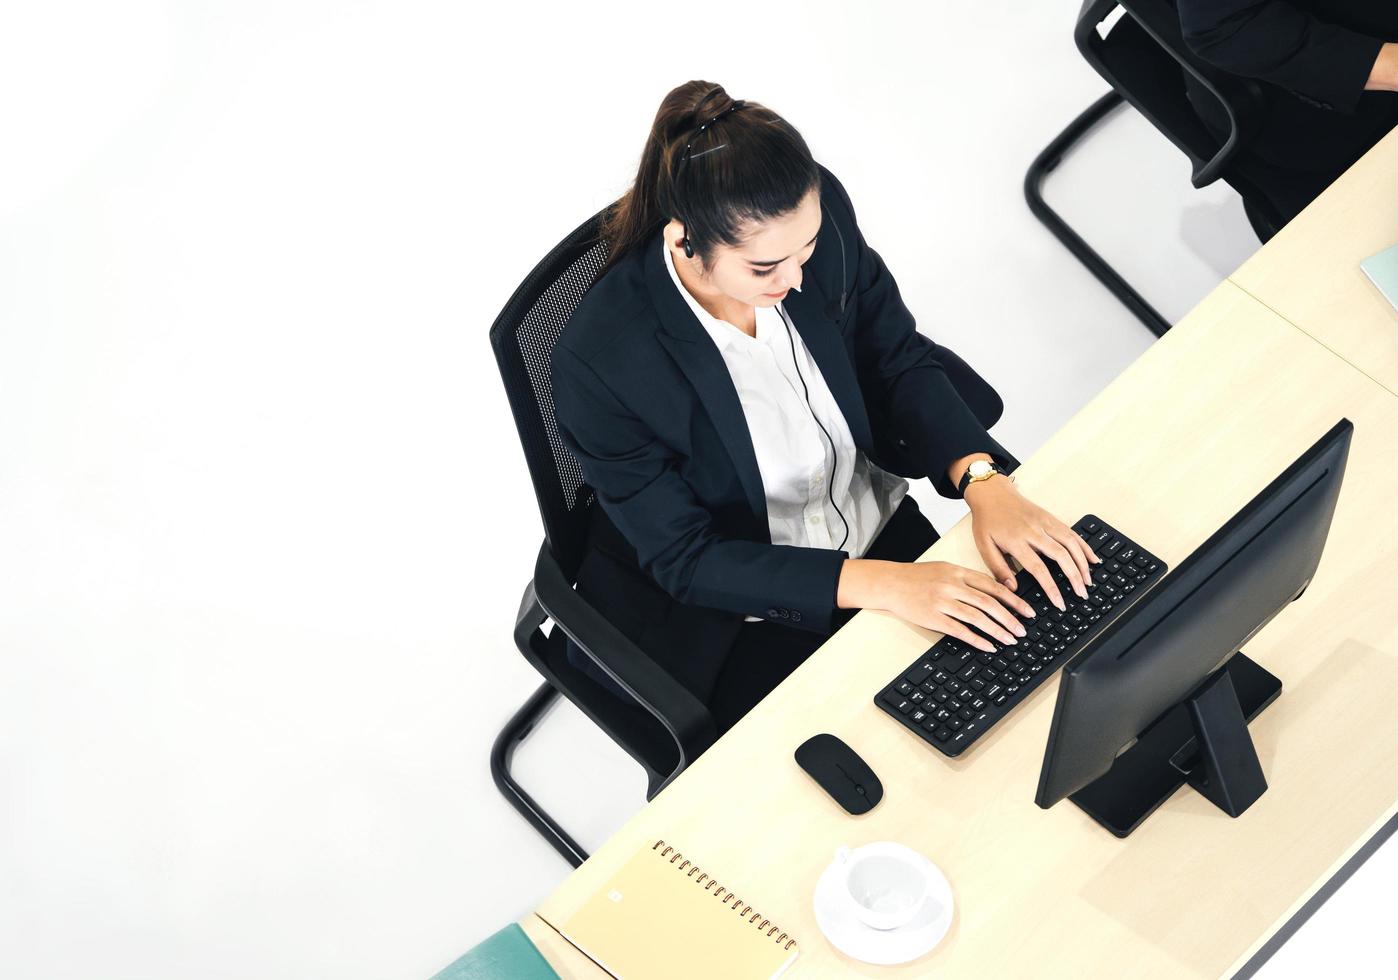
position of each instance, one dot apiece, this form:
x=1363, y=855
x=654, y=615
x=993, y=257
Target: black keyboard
x=954, y=692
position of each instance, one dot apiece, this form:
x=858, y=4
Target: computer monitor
x=1163, y=696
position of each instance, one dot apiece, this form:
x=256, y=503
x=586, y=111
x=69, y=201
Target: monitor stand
x=1203, y=740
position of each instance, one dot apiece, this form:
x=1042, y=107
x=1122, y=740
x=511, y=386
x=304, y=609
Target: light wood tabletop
x=1309, y=272
x=1173, y=447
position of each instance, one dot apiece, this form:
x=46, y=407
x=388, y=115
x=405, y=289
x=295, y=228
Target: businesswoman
x=747, y=393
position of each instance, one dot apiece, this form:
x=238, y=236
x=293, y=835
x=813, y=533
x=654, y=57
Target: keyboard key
x=952, y=663
x=942, y=734
x=920, y=673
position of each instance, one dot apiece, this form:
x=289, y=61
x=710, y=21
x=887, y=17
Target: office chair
x=661, y=725
x=1142, y=58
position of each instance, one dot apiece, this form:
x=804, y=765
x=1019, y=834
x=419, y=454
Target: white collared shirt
x=793, y=454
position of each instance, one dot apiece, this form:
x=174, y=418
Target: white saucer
x=883, y=947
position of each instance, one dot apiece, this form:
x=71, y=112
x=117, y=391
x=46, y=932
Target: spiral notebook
x=661, y=915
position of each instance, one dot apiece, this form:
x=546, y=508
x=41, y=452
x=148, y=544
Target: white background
x=264, y=520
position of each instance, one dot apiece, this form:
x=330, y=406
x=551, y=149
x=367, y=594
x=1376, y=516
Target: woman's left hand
x=1006, y=523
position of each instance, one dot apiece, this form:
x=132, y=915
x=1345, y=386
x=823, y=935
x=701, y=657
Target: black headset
x=833, y=311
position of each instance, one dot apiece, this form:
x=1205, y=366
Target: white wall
x=264, y=521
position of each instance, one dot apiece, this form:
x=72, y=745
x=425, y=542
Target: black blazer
x=1313, y=58
x=644, y=399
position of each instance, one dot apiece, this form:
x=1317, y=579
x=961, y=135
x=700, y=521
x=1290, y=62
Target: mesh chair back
x=523, y=337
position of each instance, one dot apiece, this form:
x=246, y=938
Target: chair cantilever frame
x=549, y=595
x=1043, y=165
x=1134, y=58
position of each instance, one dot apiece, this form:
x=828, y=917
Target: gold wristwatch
x=980, y=469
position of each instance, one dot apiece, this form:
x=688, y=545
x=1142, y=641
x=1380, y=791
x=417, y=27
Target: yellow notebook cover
x=660, y=915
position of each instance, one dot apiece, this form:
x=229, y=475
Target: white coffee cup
x=885, y=882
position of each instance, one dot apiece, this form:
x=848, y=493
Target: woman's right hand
x=937, y=595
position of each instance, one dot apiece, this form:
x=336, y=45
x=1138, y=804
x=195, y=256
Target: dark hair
x=760, y=168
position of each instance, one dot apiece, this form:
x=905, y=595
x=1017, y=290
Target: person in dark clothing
x=747, y=394
x=1329, y=75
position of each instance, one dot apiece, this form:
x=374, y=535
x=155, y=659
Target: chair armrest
x=685, y=716
x=1240, y=99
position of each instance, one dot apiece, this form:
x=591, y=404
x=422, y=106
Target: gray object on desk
x=1382, y=270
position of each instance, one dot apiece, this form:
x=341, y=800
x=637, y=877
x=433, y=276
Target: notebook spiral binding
x=724, y=895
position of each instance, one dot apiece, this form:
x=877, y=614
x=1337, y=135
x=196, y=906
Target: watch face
x=979, y=468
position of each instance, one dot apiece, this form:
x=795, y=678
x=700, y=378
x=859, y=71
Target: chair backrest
x=1144, y=57
x=523, y=336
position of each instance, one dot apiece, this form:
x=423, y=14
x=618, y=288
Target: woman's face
x=769, y=260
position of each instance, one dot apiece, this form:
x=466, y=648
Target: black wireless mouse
x=841, y=773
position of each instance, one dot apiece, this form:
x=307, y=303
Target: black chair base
x=514, y=732
x=1043, y=165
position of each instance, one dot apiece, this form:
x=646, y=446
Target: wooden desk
x=1195, y=427
x=1309, y=272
